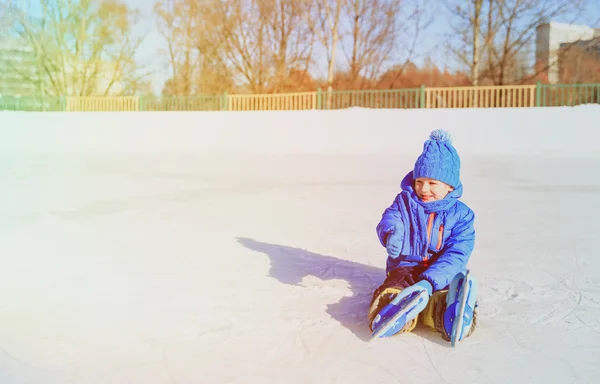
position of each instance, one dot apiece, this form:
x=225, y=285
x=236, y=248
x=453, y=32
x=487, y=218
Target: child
x=429, y=237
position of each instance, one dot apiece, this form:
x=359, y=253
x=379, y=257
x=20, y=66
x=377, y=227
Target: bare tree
x=466, y=37
x=380, y=32
x=290, y=38
x=374, y=29
x=170, y=17
x=83, y=48
x=325, y=19
x=510, y=29
x=476, y=23
x=236, y=34
x=411, y=23
x=175, y=22
x=258, y=41
x=192, y=50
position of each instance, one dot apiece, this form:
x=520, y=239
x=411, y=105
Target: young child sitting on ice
x=429, y=237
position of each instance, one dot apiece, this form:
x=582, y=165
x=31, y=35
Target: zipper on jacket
x=440, y=236
x=429, y=233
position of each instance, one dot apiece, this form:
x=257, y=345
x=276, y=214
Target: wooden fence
x=507, y=96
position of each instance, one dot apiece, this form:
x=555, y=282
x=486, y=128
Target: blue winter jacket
x=438, y=234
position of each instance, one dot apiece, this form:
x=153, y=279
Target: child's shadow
x=290, y=265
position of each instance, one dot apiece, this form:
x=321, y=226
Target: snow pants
x=433, y=314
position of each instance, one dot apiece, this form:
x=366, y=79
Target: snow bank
x=532, y=131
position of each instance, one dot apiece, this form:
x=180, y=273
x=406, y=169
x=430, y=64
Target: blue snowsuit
x=439, y=234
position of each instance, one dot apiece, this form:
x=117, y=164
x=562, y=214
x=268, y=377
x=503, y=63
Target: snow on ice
x=240, y=247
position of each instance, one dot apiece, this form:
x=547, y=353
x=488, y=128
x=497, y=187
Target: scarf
x=416, y=212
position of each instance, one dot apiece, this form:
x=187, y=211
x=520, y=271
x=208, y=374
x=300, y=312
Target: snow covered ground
x=241, y=247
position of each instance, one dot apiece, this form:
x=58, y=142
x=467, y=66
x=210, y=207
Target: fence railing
x=506, y=96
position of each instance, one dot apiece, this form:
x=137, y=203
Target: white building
x=21, y=74
x=550, y=37
x=18, y=70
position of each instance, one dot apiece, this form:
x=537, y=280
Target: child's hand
x=394, y=242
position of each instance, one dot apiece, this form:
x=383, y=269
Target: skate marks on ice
x=561, y=304
x=291, y=265
x=541, y=295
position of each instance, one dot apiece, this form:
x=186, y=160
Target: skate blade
x=404, y=311
x=458, y=320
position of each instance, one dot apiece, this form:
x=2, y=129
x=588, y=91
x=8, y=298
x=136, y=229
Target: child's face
x=431, y=189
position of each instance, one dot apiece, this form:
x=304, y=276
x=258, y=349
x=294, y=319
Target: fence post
x=141, y=101
x=225, y=106
x=422, y=97
x=538, y=94
x=319, y=98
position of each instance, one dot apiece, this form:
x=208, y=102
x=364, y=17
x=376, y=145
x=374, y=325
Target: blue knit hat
x=439, y=160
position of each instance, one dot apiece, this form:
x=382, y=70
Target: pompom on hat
x=439, y=160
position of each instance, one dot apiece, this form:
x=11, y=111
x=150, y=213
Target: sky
x=154, y=42
x=152, y=52
x=430, y=40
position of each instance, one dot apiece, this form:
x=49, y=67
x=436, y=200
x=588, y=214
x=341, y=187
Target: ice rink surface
x=130, y=261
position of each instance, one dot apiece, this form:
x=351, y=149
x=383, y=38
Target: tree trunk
x=476, y=21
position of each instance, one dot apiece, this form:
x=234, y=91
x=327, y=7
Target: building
x=18, y=69
x=21, y=75
x=579, y=62
x=52, y=73
x=552, y=38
